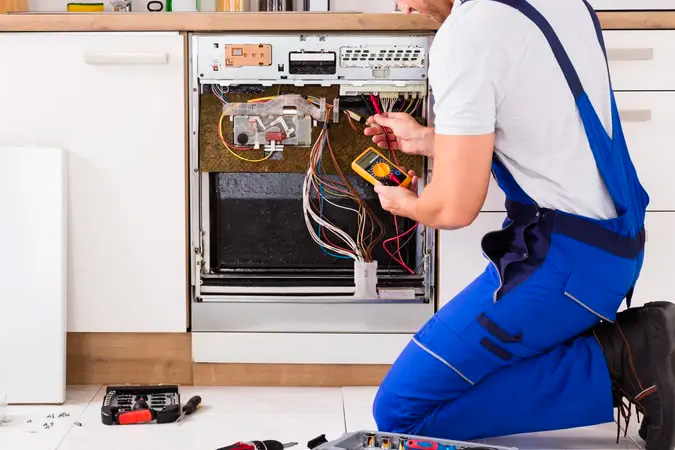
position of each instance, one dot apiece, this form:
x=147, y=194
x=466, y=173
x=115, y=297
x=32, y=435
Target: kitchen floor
x=228, y=415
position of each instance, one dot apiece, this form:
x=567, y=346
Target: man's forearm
x=432, y=209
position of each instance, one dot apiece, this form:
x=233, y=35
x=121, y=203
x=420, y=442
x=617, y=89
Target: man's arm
x=458, y=187
x=459, y=184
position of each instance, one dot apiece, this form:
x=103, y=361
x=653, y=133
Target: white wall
x=369, y=6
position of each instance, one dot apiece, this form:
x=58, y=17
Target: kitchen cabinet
x=115, y=102
x=647, y=119
x=641, y=60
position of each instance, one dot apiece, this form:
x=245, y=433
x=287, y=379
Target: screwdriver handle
x=192, y=405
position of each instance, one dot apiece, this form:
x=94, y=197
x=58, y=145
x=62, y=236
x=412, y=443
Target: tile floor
x=231, y=414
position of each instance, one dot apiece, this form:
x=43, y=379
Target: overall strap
x=598, y=28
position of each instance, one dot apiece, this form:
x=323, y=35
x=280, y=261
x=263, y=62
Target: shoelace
x=625, y=412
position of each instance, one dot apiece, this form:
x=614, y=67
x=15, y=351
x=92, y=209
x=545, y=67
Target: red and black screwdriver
x=259, y=445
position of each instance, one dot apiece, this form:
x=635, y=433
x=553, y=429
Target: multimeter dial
x=380, y=170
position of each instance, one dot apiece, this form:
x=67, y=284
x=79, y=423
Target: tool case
x=160, y=404
x=372, y=440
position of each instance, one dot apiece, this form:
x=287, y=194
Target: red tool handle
x=134, y=417
x=413, y=444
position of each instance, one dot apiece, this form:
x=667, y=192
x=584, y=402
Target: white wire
x=310, y=215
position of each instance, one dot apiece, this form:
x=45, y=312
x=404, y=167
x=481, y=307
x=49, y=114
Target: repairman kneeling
x=535, y=343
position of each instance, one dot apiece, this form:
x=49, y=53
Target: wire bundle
x=316, y=187
x=396, y=254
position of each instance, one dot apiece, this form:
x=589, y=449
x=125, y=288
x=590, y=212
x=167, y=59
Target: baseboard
x=121, y=358
x=305, y=375
x=166, y=358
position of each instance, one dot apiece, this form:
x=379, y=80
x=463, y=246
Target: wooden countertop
x=275, y=21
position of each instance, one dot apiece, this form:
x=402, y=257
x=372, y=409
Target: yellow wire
x=409, y=105
x=261, y=99
x=222, y=139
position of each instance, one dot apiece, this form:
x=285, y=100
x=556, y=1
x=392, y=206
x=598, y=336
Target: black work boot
x=638, y=349
x=644, y=426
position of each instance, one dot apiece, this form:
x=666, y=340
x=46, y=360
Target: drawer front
x=656, y=282
x=460, y=257
x=641, y=60
x=620, y=5
x=647, y=119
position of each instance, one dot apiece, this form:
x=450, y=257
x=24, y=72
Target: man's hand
x=397, y=200
x=403, y=132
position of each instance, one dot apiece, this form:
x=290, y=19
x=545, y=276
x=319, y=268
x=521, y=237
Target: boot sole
x=665, y=385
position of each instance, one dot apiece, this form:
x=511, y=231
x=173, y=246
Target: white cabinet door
x=647, y=119
x=115, y=103
x=460, y=257
x=656, y=282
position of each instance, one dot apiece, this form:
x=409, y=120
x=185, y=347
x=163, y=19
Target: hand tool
x=374, y=167
x=126, y=405
x=259, y=445
x=416, y=444
x=190, y=407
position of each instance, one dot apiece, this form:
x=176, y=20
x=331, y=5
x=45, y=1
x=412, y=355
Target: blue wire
x=318, y=167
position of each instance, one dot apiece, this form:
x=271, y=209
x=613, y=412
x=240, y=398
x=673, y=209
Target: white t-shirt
x=492, y=70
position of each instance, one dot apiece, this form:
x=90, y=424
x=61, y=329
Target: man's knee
x=392, y=413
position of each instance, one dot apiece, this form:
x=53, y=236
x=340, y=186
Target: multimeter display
x=374, y=167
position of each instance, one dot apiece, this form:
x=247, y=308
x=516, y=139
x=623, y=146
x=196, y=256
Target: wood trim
x=13, y=5
x=610, y=20
x=214, y=22
x=314, y=375
x=120, y=358
x=637, y=20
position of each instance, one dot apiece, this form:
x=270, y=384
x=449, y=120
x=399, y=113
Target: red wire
x=378, y=110
x=399, y=259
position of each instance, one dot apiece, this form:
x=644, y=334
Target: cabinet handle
x=635, y=115
x=128, y=59
x=630, y=54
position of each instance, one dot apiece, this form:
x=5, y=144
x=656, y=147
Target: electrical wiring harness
x=319, y=189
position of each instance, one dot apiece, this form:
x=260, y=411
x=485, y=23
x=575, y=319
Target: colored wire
x=386, y=135
x=397, y=238
x=316, y=181
x=218, y=92
x=262, y=99
x=229, y=148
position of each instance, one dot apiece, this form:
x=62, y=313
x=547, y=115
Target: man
x=535, y=342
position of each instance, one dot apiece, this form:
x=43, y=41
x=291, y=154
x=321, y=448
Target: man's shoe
x=644, y=426
x=638, y=349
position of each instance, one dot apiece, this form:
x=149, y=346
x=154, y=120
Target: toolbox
x=127, y=405
x=371, y=440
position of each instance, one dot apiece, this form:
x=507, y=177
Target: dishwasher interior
x=284, y=234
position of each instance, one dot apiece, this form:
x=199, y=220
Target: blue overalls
x=511, y=353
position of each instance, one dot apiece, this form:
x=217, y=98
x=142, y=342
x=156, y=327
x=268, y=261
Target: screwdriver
x=259, y=445
x=191, y=406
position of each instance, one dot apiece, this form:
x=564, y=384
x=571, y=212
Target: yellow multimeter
x=374, y=167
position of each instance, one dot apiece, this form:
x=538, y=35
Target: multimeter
x=374, y=167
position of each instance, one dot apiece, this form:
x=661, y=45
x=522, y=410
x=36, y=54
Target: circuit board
x=346, y=142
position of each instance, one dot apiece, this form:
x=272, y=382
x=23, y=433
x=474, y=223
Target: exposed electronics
x=284, y=221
